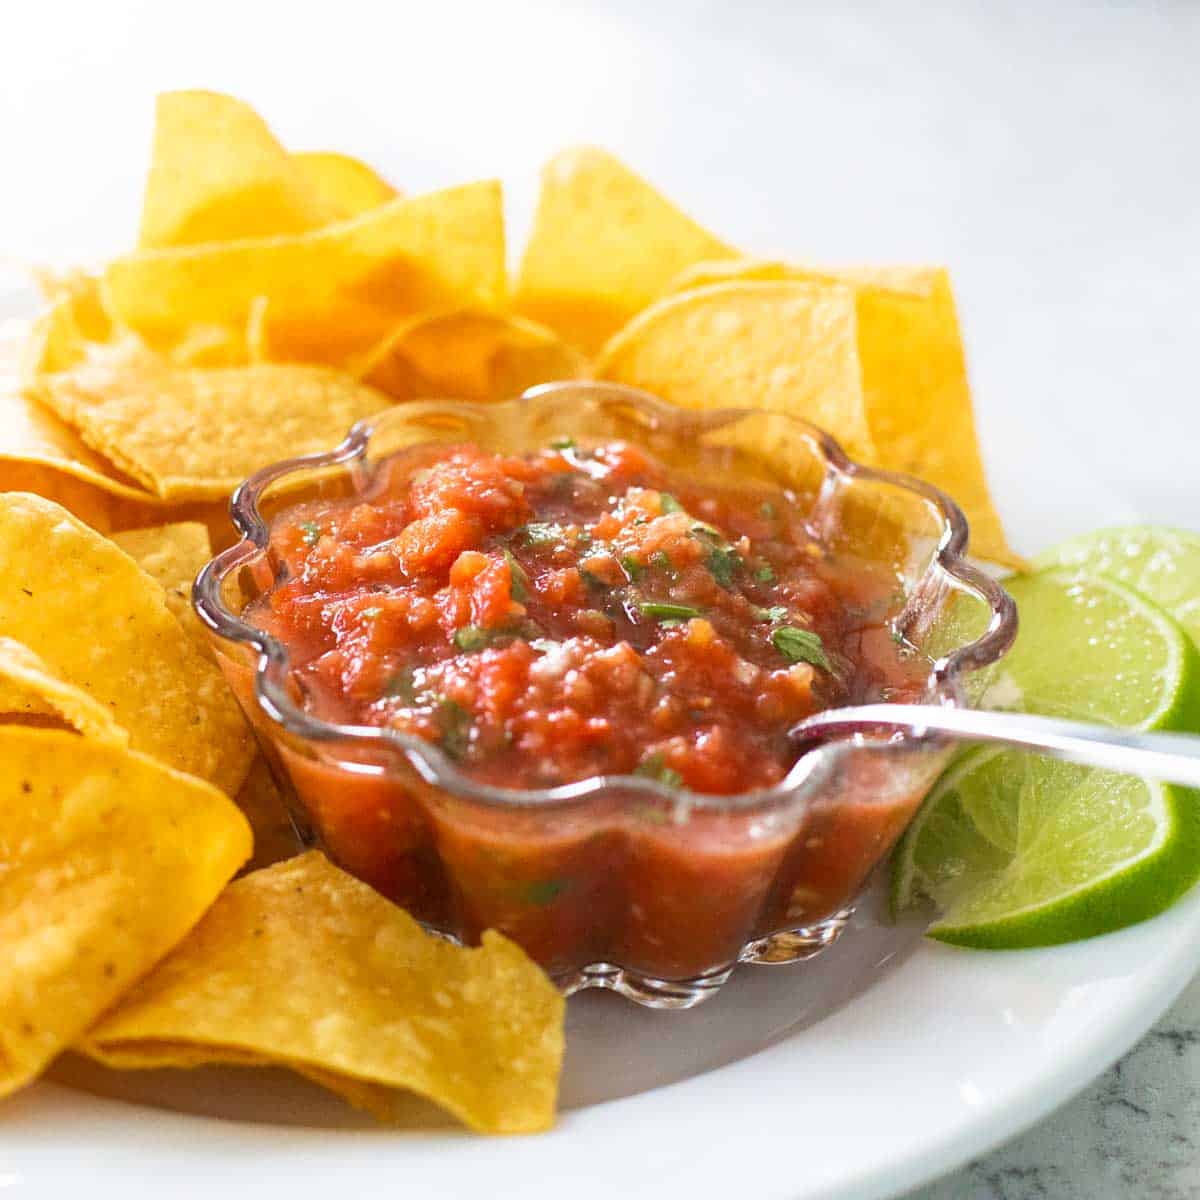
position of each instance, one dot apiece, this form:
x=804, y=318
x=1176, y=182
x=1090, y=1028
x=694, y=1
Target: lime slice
x=1094, y=649
x=1019, y=850
x=1162, y=564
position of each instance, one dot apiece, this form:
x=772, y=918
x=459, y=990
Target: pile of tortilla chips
x=276, y=297
x=120, y=749
x=273, y=299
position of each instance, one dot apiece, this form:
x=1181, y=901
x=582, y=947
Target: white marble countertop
x=1133, y=1135
x=1048, y=153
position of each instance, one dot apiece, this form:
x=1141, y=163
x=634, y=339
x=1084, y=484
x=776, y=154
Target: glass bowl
x=618, y=882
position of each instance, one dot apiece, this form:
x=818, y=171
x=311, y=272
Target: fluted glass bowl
x=620, y=882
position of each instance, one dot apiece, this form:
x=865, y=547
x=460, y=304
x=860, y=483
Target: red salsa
x=574, y=612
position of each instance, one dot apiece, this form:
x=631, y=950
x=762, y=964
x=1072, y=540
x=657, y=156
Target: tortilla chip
x=172, y=555
x=784, y=347
x=28, y=688
x=109, y=859
x=41, y=453
x=346, y=185
x=100, y=623
x=914, y=378
x=333, y=293
x=302, y=965
x=604, y=245
x=195, y=434
x=218, y=173
x=470, y=356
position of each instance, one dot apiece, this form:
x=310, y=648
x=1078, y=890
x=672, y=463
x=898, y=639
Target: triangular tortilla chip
x=195, y=434
x=99, y=622
x=109, y=859
x=604, y=245
x=332, y=293
x=914, y=378
x=346, y=185
x=783, y=347
x=218, y=173
x=302, y=965
x=28, y=688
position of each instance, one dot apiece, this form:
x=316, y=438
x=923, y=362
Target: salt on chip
x=470, y=355
x=217, y=173
x=914, y=376
x=604, y=245
x=784, y=347
x=346, y=185
x=109, y=857
x=302, y=965
x=29, y=689
x=99, y=622
x=172, y=555
x=332, y=293
x=193, y=433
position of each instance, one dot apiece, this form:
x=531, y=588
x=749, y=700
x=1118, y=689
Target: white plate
x=884, y=1063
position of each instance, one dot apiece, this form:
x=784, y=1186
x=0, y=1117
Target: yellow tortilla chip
x=604, y=245
x=35, y=443
x=302, y=965
x=195, y=434
x=172, y=555
x=914, y=377
x=332, y=293
x=346, y=185
x=470, y=356
x=29, y=689
x=99, y=622
x=218, y=173
x=784, y=347
x=109, y=859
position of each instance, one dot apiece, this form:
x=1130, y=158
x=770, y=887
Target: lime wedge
x=1162, y=564
x=1019, y=850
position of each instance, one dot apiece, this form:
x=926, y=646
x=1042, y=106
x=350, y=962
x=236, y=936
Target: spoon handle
x=1170, y=757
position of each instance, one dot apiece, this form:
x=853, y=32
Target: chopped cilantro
x=765, y=574
x=722, y=563
x=402, y=684
x=540, y=533
x=311, y=532
x=897, y=635
x=654, y=766
x=471, y=638
x=632, y=567
x=660, y=609
x=519, y=586
x=668, y=503
x=456, y=724
x=800, y=645
x=542, y=891
x=777, y=612
x=593, y=581
x=660, y=558
x=705, y=530
x=563, y=443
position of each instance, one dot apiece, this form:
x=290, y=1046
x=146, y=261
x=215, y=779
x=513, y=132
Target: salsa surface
x=574, y=612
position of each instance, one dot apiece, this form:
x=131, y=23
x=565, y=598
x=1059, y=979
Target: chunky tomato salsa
x=574, y=612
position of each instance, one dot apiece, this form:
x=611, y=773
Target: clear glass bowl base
x=776, y=949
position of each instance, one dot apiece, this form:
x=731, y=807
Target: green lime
x=1020, y=850
x=1162, y=564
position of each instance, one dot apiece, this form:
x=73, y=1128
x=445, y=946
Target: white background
x=1049, y=153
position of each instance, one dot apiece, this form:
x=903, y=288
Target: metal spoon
x=1169, y=757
